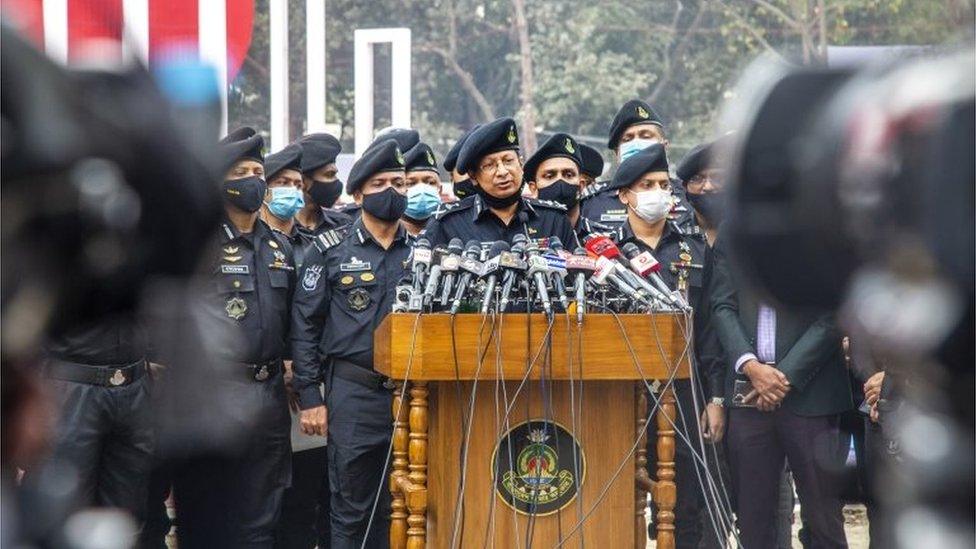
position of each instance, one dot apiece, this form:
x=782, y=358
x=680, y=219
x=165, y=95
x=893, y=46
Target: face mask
x=634, y=146
x=285, y=202
x=422, y=201
x=325, y=193
x=499, y=203
x=562, y=192
x=464, y=188
x=654, y=205
x=711, y=206
x=246, y=193
x=386, y=205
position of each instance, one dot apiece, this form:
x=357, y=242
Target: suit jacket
x=808, y=344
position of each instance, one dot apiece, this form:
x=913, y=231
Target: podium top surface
x=489, y=347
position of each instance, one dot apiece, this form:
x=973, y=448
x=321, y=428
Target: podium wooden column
x=427, y=432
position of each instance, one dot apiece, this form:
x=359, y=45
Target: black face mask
x=464, y=188
x=246, y=193
x=711, y=206
x=499, y=203
x=562, y=192
x=387, y=205
x=325, y=193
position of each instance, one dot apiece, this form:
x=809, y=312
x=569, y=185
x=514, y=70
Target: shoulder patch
x=451, y=207
x=548, y=204
x=593, y=190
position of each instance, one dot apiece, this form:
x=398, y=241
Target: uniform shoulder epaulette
x=452, y=207
x=331, y=238
x=593, y=190
x=547, y=204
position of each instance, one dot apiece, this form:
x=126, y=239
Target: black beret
x=406, y=138
x=318, y=149
x=420, y=158
x=592, y=161
x=633, y=112
x=289, y=158
x=693, y=162
x=240, y=144
x=560, y=144
x=499, y=135
x=384, y=157
x=450, y=161
x=651, y=159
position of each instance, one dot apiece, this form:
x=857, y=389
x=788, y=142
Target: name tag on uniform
x=355, y=265
x=234, y=269
x=614, y=216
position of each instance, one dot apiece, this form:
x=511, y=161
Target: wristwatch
x=718, y=401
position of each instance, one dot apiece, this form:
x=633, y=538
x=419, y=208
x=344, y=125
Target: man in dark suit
x=798, y=386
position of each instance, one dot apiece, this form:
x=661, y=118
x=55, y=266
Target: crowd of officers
x=298, y=283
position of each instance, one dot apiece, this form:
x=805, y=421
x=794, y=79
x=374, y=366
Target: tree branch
x=679, y=50
x=745, y=25
x=467, y=81
x=778, y=13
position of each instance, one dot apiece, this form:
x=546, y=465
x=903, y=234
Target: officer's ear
x=357, y=196
x=622, y=196
x=533, y=189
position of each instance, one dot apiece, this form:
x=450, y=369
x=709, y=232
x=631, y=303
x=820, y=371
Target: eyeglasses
x=491, y=167
x=698, y=182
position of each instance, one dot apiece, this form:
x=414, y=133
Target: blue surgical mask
x=634, y=146
x=422, y=201
x=285, y=202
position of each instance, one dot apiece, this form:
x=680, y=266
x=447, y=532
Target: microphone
x=606, y=271
x=646, y=266
x=512, y=263
x=421, y=263
x=604, y=247
x=471, y=267
x=538, y=269
x=557, y=267
x=490, y=269
x=435, y=274
x=449, y=266
x=580, y=266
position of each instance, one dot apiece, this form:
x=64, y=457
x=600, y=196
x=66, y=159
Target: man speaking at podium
x=345, y=289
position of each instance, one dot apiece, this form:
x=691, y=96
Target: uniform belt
x=349, y=371
x=265, y=370
x=104, y=375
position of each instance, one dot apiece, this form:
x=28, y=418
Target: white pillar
x=400, y=81
x=315, y=65
x=56, y=29
x=212, y=21
x=278, y=19
x=363, y=90
x=135, y=30
x=364, y=40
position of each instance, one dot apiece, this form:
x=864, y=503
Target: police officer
x=284, y=197
x=321, y=185
x=643, y=187
x=461, y=183
x=423, y=188
x=405, y=138
x=592, y=167
x=498, y=211
x=635, y=126
x=104, y=440
x=347, y=288
x=554, y=173
x=248, y=315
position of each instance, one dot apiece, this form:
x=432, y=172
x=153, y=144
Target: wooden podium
x=611, y=403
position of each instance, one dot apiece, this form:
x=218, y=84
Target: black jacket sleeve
x=310, y=309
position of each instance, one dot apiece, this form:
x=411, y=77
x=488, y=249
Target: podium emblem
x=534, y=467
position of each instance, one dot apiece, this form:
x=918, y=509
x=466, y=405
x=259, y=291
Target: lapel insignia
x=311, y=279
x=358, y=299
x=273, y=244
x=231, y=249
x=685, y=256
x=118, y=378
x=279, y=256
x=346, y=280
x=532, y=230
x=232, y=258
x=367, y=277
x=236, y=308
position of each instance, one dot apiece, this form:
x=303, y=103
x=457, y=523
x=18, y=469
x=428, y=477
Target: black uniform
x=683, y=256
x=253, y=282
x=586, y=227
x=104, y=438
x=599, y=203
x=347, y=287
x=473, y=220
x=351, y=210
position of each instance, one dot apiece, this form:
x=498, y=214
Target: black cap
x=560, y=144
x=592, y=161
x=289, y=158
x=632, y=113
x=318, y=149
x=651, y=159
x=450, y=161
x=420, y=158
x=701, y=158
x=242, y=143
x=406, y=138
x=499, y=135
x=384, y=157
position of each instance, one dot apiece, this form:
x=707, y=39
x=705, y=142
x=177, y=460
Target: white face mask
x=653, y=205
x=634, y=146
